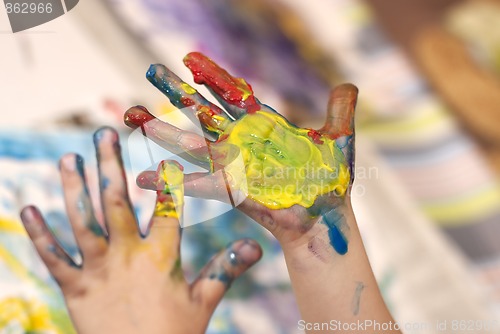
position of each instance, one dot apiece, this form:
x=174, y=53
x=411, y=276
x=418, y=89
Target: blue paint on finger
x=80, y=166
x=105, y=183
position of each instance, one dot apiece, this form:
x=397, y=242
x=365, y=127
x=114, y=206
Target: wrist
x=322, y=234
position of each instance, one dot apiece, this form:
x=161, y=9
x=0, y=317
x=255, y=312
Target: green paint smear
x=177, y=272
x=278, y=164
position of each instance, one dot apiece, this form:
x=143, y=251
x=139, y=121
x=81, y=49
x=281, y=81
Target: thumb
x=340, y=116
x=340, y=121
x=217, y=276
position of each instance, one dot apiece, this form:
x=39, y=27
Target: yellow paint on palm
x=171, y=198
x=285, y=165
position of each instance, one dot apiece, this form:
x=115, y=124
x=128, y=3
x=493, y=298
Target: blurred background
x=427, y=195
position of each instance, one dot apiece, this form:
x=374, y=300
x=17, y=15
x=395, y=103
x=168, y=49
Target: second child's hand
x=130, y=283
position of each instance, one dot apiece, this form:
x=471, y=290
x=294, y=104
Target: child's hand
x=286, y=178
x=128, y=283
x=295, y=182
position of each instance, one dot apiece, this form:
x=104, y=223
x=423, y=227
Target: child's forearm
x=336, y=289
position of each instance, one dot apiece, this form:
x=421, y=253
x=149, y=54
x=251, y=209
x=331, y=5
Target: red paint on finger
x=235, y=91
x=147, y=180
x=315, y=136
x=187, y=101
x=223, y=137
x=137, y=116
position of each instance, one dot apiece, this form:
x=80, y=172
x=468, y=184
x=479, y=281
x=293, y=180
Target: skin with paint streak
x=171, y=197
x=295, y=182
x=129, y=282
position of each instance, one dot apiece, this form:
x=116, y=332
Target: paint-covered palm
x=286, y=178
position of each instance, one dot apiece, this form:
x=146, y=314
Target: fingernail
x=194, y=56
x=165, y=163
x=234, y=91
x=151, y=73
x=135, y=117
x=159, y=75
x=105, y=133
x=27, y=215
x=163, y=79
x=147, y=181
x=143, y=108
x=169, y=174
x=247, y=251
x=98, y=135
x=67, y=163
x=344, y=91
